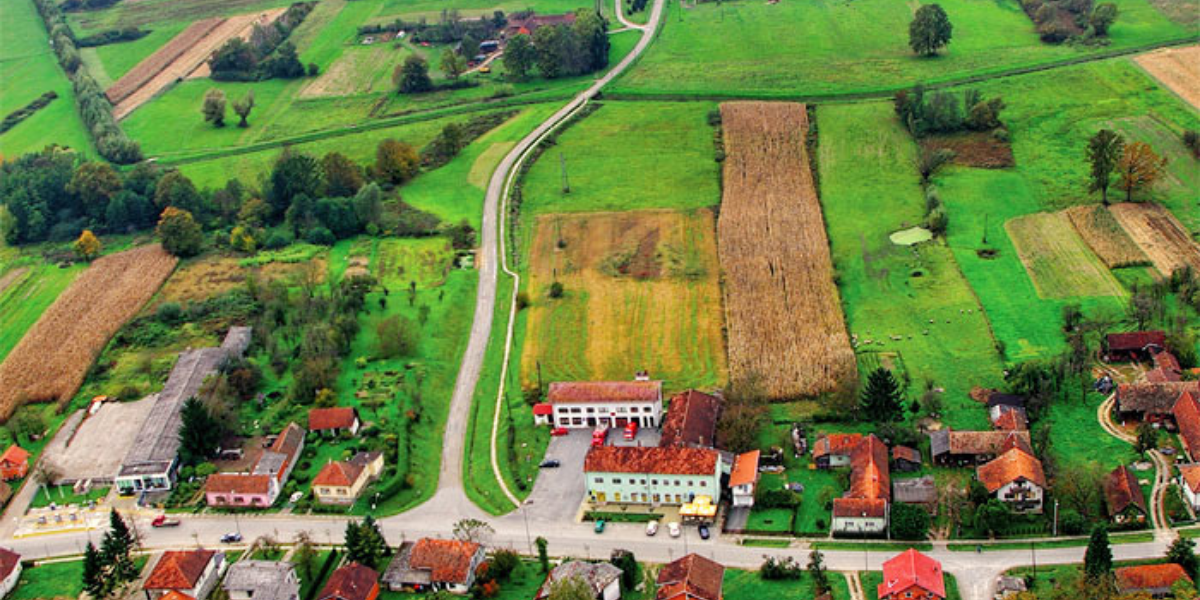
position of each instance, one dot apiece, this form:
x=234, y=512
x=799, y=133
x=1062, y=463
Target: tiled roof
x=869, y=476
x=351, y=582
x=860, y=507
x=14, y=455
x=1002, y=399
x=263, y=579
x=1190, y=473
x=745, y=469
x=8, y=561
x=542, y=409
x=975, y=443
x=1148, y=577
x=921, y=490
x=338, y=417
x=176, y=595
x=338, y=474
x=1121, y=489
x=1187, y=418
x=1137, y=340
x=1152, y=398
x=178, y=570
x=665, y=461
x=237, y=483
x=911, y=568
x=448, y=561
x=1012, y=419
x=692, y=419
x=573, y=392
x=905, y=453
x=836, y=443
x=690, y=577
x=1013, y=465
x=288, y=444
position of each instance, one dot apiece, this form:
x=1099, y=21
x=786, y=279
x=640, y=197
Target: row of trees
x=94, y=108
x=1136, y=166
x=1060, y=20
x=265, y=55
x=449, y=28
x=944, y=112
x=213, y=108
x=560, y=50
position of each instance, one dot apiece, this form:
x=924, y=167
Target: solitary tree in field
x=214, y=108
x=930, y=30
x=880, y=400
x=87, y=246
x=243, y=107
x=412, y=77
x=1138, y=168
x=1103, y=17
x=1103, y=152
x=453, y=65
x=179, y=232
x=1097, y=560
x=518, y=57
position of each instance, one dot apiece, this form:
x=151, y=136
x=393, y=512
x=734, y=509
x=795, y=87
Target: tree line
x=266, y=54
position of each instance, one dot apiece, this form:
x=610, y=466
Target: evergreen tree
x=199, y=433
x=365, y=543
x=816, y=570
x=94, y=582
x=625, y=561
x=881, y=399
x=1097, y=561
x=1183, y=553
x=543, y=555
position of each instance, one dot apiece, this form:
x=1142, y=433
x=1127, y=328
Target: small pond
x=911, y=236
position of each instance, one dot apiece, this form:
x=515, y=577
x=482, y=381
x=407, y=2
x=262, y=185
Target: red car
x=559, y=431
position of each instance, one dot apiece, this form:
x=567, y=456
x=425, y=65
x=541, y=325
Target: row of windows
x=592, y=410
x=658, y=498
x=618, y=480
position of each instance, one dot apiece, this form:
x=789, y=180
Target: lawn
x=55, y=581
x=29, y=69
x=1058, y=261
x=63, y=495
x=791, y=48
x=748, y=585
x=771, y=520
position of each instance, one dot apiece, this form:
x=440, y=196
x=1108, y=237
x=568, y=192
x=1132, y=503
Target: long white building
x=586, y=404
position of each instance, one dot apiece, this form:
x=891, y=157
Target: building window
x=703, y=484
x=653, y=482
x=590, y=410
x=577, y=421
x=677, y=484
x=633, y=409
x=616, y=481
x=599, y=480
x=575, y=411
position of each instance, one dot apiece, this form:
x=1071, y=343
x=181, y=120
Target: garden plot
x=1057, y=260
x=1159, y=235
x=640, y=291
x=1104, y=235
x=1176, y=68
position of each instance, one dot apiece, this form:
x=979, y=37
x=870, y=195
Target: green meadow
x=31, y=287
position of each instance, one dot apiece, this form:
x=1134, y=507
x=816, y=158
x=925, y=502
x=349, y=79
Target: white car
x=674, y=529
x=651, y=528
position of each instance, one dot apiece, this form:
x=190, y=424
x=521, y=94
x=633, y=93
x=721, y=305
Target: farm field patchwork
x=1105, y=236
x=1057, y=260
x=1176, y=68
x=156, y=13
x=1160, y=236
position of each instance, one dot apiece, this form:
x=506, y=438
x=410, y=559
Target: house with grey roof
x=602, y=578
x=261, y=580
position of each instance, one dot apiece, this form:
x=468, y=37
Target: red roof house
x=912, y=575
x=14, y=463
x=435, y=564
x=190, y=572
x=1124, y=496
x=574, y=392
x=334, y=420
x=10, y=571
x=666, y=461
x=834, y=449
x=1187, y=419
x=691, y=420
x=351, y=582
x=863, y=509
x=1016, y=478
x=1136, y=345
x=692, y=577
x=1155, y=580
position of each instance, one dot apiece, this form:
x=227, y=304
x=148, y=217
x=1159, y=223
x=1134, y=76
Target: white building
x=10, y=571
x=744, y=478
x=655, y=475
x=586, y=404
x=1015, y=478
x=1189, y=482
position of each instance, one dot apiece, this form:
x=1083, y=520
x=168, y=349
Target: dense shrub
x=16, y=116
x=112, y=36
x=266, y=54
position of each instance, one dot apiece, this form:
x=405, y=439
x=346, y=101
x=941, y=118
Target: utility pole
x=985, y=220
x=562, y=162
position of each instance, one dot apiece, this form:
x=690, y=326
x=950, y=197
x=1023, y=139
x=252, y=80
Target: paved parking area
x=558, y=492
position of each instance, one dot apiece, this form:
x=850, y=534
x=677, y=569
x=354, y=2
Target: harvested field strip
x=265, y=19
x=1104, y=235
x=1176, y=68
x=51, y=360
x=1057, y=260
x=153, y=64
x=192, y=58
x=786, y=329
x=1159, y=235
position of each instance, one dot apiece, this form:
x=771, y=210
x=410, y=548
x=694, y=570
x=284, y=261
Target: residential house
x=692, y=577
x=912, y=576
x=1123, y=495
x=998, y=403
x=691, y=420
x=10, y=571
x=1189, y=482
x=342, y=481
x=833, y=450
x=333, y=421
x=633, y=475
x=1136, y=345
x=863, y=509
x=261, y=580
x=961, y=448
x=430, y=564
x=1187, y=420
x=1015, y=478
x=586, y=404
x=351, y=582
x=1011, y=419
x=602, y=578
x=920, y=491
x=260, y=487
x=744, y=479
x=527, y=25
x=906, y=459
x=1155, y=580
x=1151, y=402
x=1166, y=369
x=14, y=463
x=191, y=572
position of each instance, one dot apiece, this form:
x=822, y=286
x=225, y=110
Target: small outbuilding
x=602, y=578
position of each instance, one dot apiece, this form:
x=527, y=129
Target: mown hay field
x=51, y=360
x=144, y=71
x=1057, y=260
x=784, y=318
x=640, y=292
x=1159, y=234
x=1104, y=235
x=1176, y=68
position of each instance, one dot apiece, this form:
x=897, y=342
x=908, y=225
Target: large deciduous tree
x=930, y=30
x=214, y=107
x=519, y=56
x=179, y=233
x=396, y=162
x=343, y=178
x=1103, y=17
x=453, y=65
x=94, y=184
x=1138, y=169
x=243, y=107
x=412, y=77
x=294, y=174
x=87, y=246
x=1104, y=151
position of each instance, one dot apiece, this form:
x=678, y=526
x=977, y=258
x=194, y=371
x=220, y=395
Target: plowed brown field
x=164, y=56
x=785, y=326
x=50, y=362
x=1176, y=68
x=1159, y=235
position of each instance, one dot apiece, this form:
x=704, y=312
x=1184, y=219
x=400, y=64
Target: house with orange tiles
x=834, y=449
x=333, y=421
x=863, y=509
x=587, y=404
x=260, y=487
x=10, y=571
x=912, y=576
x=14, y=463
x=651, y=475
x=1189, y=482
x=1187, y=419
x=1016, y=478
x=429, y=564
x=191, y=573
x=1155, y=580
x=351, y=582
x=691, y=420
x=744, y=478
x=692, y=577
x=341, y=482
x=1124, y=498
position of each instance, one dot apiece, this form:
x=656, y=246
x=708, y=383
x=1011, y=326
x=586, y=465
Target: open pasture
x=1176, y=68
x=360, y=70
x=26, y=291
x=1159, y=234
x=782, y=308
x=110, y=62
x=829, y=47
x=1101, y=232
x=52, y=358
x=214, y=275
x=640, y=292
x=1057, y=259
x=399, y=263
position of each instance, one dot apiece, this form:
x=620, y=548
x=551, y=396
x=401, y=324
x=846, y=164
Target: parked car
x=485, y=69
x=163, y=521
x=651, y=528
x=600, y=526
x=674, y=529
x=232, y=537
x=559, y=431
x=550, y=463
x=703, y=530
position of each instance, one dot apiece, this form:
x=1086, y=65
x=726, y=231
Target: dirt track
x=1176, y=68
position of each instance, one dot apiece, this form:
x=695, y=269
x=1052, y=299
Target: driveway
x=558, y=492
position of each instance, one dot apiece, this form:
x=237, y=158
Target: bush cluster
x=266, y=55
x=16, y=116
x=112, y=36
x=454, y=137
x=943, y=112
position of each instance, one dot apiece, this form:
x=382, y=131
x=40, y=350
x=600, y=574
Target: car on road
x=600, y=526
x=674, y=529
x=559, y=431
x=703, y=530
x=550, y=463
x=163, y=521
x=231, y=538
x=651, y=528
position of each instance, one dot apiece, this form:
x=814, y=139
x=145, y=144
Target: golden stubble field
x=1159, y=234
x=641, y=291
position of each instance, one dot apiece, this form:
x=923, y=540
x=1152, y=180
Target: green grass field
x=748, y=585
x=27, y=296
x=110, y=62
x=794, y=48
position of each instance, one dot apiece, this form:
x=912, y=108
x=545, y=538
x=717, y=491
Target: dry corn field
x=785, y=326
x=1159, y=234
x=1104, y=235
x=50, y=362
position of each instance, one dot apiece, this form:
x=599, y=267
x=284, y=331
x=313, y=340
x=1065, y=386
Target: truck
x=599, y=435
x=163, y=521
x=631, y=430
